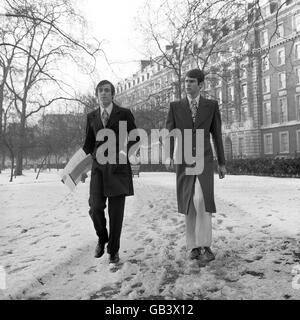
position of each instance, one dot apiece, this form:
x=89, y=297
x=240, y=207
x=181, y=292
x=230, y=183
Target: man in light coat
x=195, y=193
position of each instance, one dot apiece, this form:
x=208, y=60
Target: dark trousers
x=115, y=213
x=116, y=206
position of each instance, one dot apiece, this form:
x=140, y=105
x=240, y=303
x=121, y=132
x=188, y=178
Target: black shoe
x=114, y=258
x=208, y=255
x=99, y=251
x=194, y=254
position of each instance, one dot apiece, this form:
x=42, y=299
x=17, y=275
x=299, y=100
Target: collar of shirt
x=190, y=99
x=108, y=109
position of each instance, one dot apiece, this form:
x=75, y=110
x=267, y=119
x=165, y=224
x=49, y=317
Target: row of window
x=158, y=84
x=228, y=116
x=283, y=110
x=284, y=144
x=281, y=83
x=280, y=57
x=280, y=31
x=266, y=86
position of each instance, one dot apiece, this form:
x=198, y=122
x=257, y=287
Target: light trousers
x=198, y=221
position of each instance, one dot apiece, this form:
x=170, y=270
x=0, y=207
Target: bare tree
x=33, y=77
x=179, y=30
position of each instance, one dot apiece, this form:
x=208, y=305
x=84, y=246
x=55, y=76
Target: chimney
x=144, y=64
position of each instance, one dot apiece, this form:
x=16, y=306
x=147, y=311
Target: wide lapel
x=186, y=113
x=202, y=112
x=114, y=116
x=97, y=120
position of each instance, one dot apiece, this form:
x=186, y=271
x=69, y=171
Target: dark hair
x=102, y=83
x=196, y=73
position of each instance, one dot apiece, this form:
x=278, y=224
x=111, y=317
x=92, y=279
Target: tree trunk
x=12, y=167
x=41, y=166
x=3, y=158
x=12, y=159
x=19, y=160
x=56, y=160
x=49, y=162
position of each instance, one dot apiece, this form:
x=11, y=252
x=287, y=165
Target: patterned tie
x=194, y=106
x=105, y=117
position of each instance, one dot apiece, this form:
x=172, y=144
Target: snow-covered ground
x=47, y=242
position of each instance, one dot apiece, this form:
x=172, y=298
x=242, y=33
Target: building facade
x=256, y=80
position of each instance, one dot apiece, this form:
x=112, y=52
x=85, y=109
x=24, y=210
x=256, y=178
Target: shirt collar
x=190, y=98
x=108, y=109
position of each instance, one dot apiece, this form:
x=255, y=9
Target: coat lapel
x=186, y=113
x=97, y=122
x=114, y=116
x=202, y=112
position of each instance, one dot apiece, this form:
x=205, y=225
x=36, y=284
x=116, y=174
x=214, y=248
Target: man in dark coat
x=195, y=193
x=109, y=181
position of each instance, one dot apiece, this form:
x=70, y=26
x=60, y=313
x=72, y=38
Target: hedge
x=259, y=166
x=264, y=167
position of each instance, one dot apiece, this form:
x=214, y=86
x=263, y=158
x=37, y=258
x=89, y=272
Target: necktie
x=194, y=106
x=105, y=117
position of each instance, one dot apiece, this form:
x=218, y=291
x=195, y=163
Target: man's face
x=105, y=95
x=192, y=87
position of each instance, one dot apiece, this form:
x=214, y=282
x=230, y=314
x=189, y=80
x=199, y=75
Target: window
x=297, y=22
x=281, y=80
x=207, y=85
x=284, y=142
x=280, y=31
x=244, y=113
x=264, y=38
x=298, y=107
x=268, y=143
x=283, y=113
x=230, y=93
x=298, y=140
x=241, y=145
x=297, y=50
x=297, y=71
x=243, y=73
x=265, y=11
x=280, y=56
x=244, y=91
x=231, y=115
x=266, y=84
x=265, y=63
x=219, y=94
x=267, y=113
x=218, y=82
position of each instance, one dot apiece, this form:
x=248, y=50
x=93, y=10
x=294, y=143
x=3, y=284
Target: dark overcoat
x=207, y=118
x=109, y=179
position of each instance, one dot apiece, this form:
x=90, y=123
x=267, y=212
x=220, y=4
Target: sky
x=114, y=22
